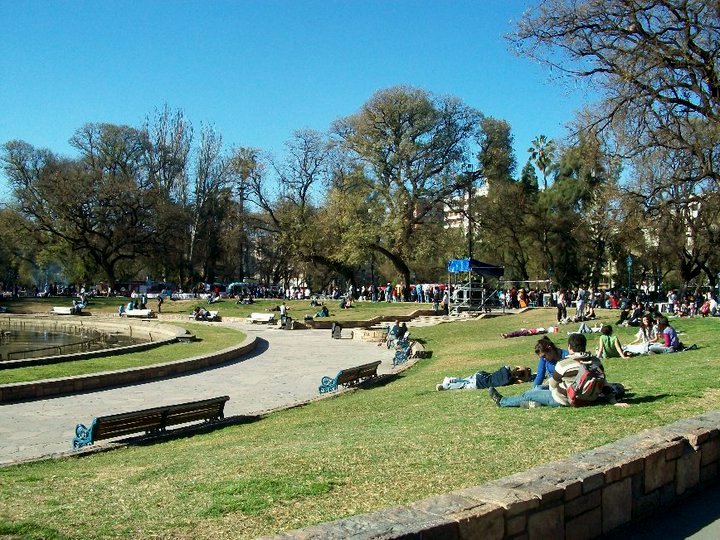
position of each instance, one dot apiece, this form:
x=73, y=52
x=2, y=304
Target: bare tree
x=655, y=64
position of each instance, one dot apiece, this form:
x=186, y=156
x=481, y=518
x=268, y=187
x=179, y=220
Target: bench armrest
x=83, y=435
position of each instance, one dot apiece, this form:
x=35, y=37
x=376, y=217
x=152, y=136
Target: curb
x=108, y=379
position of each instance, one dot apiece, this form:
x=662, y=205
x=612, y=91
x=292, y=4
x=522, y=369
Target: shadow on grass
x=190, y=431
x=29, y=530
x=634, y=399
x=379, y=381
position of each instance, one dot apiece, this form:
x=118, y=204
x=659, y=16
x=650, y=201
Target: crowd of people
x=575, y=375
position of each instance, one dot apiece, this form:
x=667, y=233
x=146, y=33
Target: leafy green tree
x=496, y=155
x=503, y=226
x=411, y=147
x=542, y=153
x=99, y=204
x=528, y=178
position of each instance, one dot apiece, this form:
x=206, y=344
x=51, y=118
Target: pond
x=16, y=344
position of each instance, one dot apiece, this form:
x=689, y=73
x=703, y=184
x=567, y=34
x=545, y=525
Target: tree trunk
x=399, y=264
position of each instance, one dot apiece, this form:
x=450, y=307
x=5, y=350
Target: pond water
x=16, y=344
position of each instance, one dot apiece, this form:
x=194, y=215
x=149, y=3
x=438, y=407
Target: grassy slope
x=359, y=452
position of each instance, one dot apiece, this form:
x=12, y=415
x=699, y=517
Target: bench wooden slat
x=349, y=377
x=149, y=420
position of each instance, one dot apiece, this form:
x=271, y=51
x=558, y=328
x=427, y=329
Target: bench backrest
x=358, y=372
x=157, y=418
x=117, y=425
x=207, y=409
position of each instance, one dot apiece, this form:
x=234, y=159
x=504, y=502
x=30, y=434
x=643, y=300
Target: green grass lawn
x=358, y=452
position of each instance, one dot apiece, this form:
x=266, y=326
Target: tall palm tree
x=542, y=153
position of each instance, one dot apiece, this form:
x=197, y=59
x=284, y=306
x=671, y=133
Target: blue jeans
x=538, y=395
x=661, y=349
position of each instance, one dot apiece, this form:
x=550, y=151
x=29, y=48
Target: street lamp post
x=470, y=176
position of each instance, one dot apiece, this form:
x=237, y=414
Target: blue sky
x=258, y=70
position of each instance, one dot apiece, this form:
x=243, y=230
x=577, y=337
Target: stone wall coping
x=156, y=332
x=108, y=379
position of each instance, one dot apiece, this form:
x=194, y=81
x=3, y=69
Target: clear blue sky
x=258, y=70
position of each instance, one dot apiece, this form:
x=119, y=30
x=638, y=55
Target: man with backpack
x=577, y=380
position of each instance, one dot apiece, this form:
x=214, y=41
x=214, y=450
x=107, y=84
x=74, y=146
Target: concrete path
x=285, y=369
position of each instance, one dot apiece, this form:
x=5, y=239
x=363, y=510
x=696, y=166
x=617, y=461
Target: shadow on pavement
x=697, y=517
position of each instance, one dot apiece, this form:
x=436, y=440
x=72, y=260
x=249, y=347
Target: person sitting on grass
x=323, y=312
x=609, y=346
x=482, y=379
x=670, y=341
x=549, y=355
x=563, y=377
x=646, y=335
x=667, y=340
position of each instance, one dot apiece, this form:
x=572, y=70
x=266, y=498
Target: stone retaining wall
x=581, y=497
x=153, y=334
x=325, y=324
x=108, y=379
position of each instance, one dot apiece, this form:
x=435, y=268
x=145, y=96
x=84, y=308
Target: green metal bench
x=349, y=377
x=154, y=420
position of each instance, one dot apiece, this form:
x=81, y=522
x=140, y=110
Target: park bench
x=143, y=313
x=349, y=377
x=62, y=310
x=150, y=421
x=211, y=316
x=403, y=352
x=406, y=349
x=261, y=318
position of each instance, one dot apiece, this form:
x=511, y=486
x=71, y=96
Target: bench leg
x=327, y=384
x=83, y=436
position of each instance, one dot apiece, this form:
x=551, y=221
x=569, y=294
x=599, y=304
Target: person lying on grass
x=524, y=332
x=482, y=379
x=577, y=380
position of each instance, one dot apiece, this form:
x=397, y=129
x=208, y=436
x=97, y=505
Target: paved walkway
x=285, y=369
